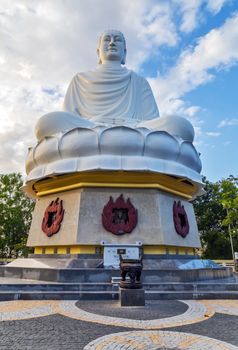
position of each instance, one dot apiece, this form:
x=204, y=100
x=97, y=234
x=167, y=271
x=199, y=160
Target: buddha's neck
x=111, y=64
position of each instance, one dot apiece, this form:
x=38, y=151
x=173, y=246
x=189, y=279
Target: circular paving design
x=149, y=334
x=156, y=340
x=228, y=307
x=24, y=309
x=196, y=312
x=154, y=309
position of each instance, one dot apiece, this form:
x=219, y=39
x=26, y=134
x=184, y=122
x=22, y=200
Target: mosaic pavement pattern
x=156, y=340
x=196, y=312
x=121, y=331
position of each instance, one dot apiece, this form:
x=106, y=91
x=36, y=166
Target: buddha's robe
x=111, y=96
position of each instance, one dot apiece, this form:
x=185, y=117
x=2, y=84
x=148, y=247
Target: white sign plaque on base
x=112, y=252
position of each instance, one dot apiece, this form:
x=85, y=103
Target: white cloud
x=227, y=143
x=189, y=10
x=158, y=26
x=216, y=5
x=191, y=111
x=228, y=122
x=213, y=133
x=192, y=13
x=197, y=65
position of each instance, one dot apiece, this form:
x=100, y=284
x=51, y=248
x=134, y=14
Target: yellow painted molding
x=61, y=250
x=49, y=250
x=77, y=249
x=82, y=249
x=116, y=179
x=172, y=250
x=154, y=249
x=91, y=249
x=38, y=250
x=181, y=251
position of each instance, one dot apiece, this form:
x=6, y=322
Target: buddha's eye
x=107, y=38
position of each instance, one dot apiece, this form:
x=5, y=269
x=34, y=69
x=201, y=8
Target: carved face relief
x=112, y=47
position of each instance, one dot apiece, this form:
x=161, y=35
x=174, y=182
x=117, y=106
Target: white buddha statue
x=110, y=95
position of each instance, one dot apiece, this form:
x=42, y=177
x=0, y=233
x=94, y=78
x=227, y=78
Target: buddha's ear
x=124, y=57
x=99, y=59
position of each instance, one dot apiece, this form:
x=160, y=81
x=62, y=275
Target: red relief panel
x=180, y=217
x=53, y=217
x=119, y=217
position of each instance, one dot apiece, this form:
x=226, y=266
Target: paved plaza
x=103, y=325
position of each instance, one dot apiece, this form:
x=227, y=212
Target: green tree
x=229, y=201
x=211, y=214
x=15, y=216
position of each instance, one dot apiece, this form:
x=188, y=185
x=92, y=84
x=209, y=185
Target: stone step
x=57, y=287
x=58, y=295
x=86, y=275
x=192, y=287
x=113, y=295
x=110, y=287
x=185, y=295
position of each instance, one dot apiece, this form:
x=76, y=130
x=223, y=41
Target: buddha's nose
x=112, y=41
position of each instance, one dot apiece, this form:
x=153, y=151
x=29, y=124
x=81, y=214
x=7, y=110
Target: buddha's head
x=111, y=47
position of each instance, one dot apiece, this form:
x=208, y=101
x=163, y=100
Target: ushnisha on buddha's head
x=111, y=47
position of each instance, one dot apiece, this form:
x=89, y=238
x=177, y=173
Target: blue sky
x=187, y=49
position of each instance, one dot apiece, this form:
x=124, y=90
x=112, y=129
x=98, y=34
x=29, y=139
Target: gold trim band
x=117, y=179
x=118, y=185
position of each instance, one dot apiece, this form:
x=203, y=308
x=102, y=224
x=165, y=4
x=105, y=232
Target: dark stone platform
x=132, y=297
x=84, y=278
x=83, y=269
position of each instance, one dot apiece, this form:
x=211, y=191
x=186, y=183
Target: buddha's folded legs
x=174, y=125
x=55, y=122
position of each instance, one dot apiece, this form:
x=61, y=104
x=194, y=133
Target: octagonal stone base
x=82, y=222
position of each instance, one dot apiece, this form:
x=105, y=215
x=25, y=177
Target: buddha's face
x=112, y=47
